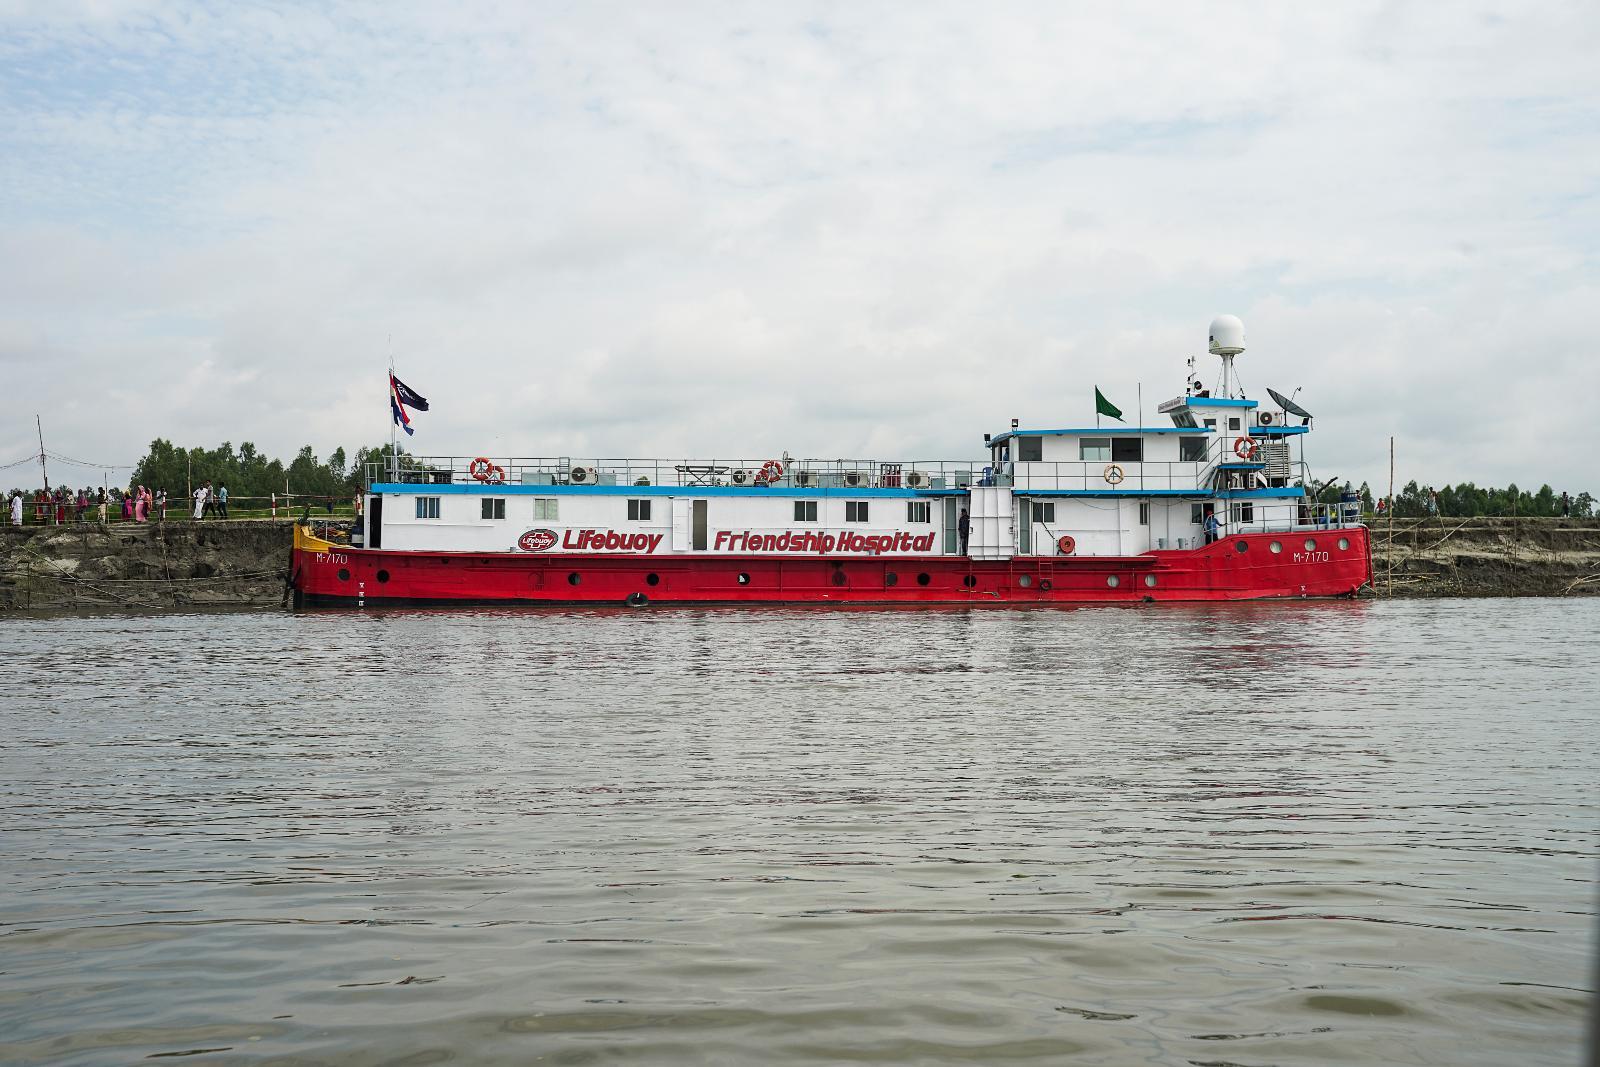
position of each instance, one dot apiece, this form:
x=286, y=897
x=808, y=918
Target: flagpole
x=394, y=445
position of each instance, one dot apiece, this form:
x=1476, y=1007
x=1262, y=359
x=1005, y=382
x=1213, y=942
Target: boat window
x=1197, y=514
x=427, y=507
x=1144, y=513
x=639, y=510
x=1030, y=449
x=1043, y=512
x=1127, y=449
x=546, y=509
x=1243, y=513
x=1191, y=449
x=1211, y=423
x=855, y=511
x=1094, y=449
x=1233, y=424
x=805, y=511
x=919, y=511
x=494, y=507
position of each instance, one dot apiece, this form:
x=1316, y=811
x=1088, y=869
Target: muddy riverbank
x=242, y=564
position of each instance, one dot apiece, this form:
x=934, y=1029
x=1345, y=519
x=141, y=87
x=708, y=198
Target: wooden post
x=1391, y=516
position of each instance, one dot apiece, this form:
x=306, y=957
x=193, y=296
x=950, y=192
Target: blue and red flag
x=400, y=395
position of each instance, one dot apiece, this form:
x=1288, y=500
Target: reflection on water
x=1274, y=833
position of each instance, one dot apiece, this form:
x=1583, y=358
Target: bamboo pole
x=1391, y=515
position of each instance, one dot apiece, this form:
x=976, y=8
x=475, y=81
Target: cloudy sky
x=851, y=229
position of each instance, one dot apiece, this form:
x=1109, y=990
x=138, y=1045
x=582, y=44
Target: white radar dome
x=1227, y=335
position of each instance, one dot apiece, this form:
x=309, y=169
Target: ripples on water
x=1256, y=834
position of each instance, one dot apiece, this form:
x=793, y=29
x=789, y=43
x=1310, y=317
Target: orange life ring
x=496, y=475
x=1066, y=544
x=771, y=471
x=1245, y=448
x=480, y=468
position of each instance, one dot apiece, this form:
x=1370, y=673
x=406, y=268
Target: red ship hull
x=1319, y=563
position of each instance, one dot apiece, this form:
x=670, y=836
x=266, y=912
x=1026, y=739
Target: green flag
x=1102, y=406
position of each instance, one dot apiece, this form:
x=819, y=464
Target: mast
x=43, y=470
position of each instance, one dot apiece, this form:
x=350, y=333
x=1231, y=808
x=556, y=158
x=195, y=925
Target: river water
x=1256, y=834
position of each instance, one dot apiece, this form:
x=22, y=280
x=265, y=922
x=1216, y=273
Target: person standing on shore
x=102, y=505
x=222, y=499
x=161, y=504
x=141, y=505
x=16, y=509
x=202, y=500
x=1566, y=505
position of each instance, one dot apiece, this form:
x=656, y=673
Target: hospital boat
x=1088, y=514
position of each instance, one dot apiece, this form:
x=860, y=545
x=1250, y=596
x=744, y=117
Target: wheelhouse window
x=1044, y=512
x=805, y=511
x=855, y=511
x=1030, y=449
x=919, y=511
x=1094, y=449
x=494, y=507
x=546, y=509
x=638, y=511
x=427, y=507
x=1127, y=449
x=1192, y=449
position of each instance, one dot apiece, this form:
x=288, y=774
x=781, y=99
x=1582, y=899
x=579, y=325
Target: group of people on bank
x=135, y=504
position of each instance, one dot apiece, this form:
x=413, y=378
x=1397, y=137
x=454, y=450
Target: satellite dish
x=1288, y=405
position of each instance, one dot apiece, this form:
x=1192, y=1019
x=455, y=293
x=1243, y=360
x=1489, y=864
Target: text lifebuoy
x=771, y=471
x=1114, y=474
x=1066, y=544
x=1245, y=448
x=480, y=468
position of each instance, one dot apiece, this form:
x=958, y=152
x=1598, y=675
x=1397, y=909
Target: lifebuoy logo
x=537, y=541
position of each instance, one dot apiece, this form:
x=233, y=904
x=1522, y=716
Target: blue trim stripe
x=779, y=492
x=1221, y=402
x=1100, y=431
x=1278, y=431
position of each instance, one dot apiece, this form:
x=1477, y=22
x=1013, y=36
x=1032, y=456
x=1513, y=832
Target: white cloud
x=737, y=229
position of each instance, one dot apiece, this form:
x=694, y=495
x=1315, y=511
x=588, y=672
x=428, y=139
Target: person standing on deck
x=1213, y=527
x=964, y=528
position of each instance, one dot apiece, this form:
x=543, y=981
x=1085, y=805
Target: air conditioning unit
x=1265, y=418
x=742, y=477
x=806, y=479
x=854, y=479
x=581, y=476
x=918, y=480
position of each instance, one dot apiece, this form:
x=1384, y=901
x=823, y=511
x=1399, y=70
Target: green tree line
x=1467, y=500
x=248, y=473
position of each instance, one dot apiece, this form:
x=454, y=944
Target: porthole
x=923, y=579
x=1113, y=581
x=969, y=580
x=573, y=578
x=1311, y=544
x=383, y=576
x=1276, y=547
x=1025, y=581
x=891, y=578
x=652, y=579
x=1344, y=544
x=837, y=578
x=1241, y=546
x=344, y=574
x=1150, y=580
x=744, y=579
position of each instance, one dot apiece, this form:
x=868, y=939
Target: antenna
x=1227, y=341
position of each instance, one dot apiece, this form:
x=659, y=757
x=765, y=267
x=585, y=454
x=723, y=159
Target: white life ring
x=1114, y=474
x=1245, y=449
